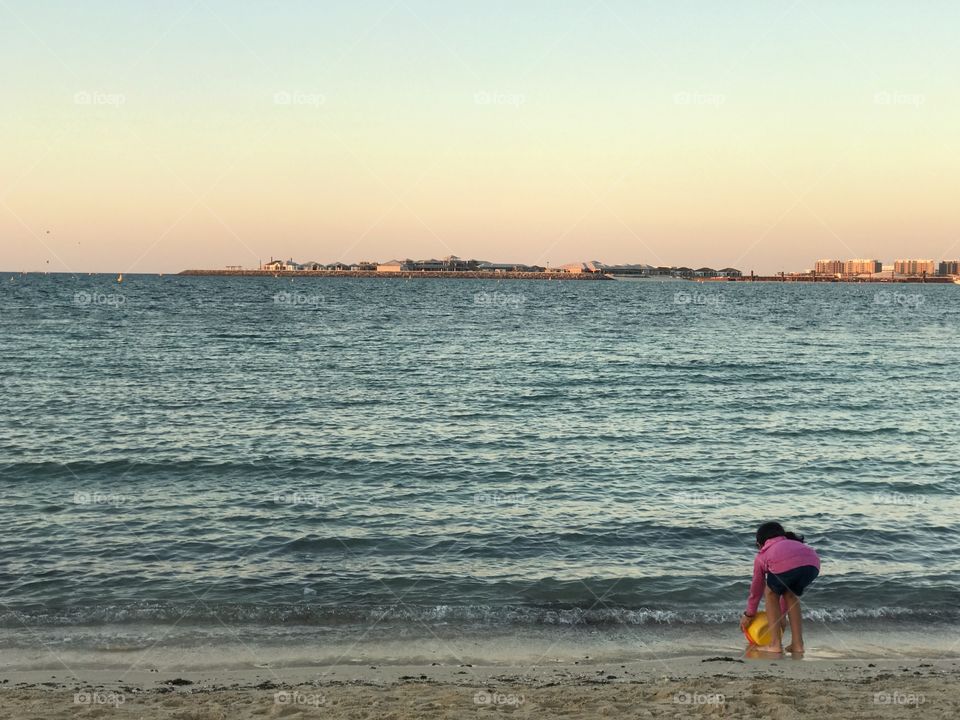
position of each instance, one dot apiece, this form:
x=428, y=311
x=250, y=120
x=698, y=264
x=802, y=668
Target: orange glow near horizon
x=663, y=136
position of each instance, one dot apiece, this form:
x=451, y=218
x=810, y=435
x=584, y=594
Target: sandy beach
x=719, y=686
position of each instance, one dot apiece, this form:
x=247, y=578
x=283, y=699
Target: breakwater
x=934, y=279
x=446, y=274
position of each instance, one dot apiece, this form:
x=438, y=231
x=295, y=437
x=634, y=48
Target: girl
x=782, y=570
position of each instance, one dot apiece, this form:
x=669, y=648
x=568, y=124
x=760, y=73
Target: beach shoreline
x=722, y=685
x=444, y=672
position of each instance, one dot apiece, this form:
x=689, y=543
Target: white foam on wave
x=480, y=615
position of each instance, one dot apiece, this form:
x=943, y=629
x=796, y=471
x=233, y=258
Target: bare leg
x=771, y=602
x=796, y=623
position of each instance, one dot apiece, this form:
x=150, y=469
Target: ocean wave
x=469, y=615
x=130, y=469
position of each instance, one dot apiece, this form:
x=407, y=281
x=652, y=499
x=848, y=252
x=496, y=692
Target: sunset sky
x=153, y=137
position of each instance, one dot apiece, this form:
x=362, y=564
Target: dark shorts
x=795, y=580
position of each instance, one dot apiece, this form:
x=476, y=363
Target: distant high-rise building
x=861, y=266
x=949, y=267
x=829, y=267
x=913, y=267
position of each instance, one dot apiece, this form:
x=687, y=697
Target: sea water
x=210, y=455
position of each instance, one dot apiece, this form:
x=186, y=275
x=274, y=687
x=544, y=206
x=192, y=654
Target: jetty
x=403, y=274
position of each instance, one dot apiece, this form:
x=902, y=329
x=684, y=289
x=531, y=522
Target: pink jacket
x=777, y=555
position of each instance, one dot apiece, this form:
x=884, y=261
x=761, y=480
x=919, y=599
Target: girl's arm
x=756, y=586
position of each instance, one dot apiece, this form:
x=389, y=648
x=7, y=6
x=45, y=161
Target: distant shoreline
x=934, y=280
x=508, y=275
x=405, y=275
x=512, y=275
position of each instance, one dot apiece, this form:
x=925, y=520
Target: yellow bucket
x=757, y=631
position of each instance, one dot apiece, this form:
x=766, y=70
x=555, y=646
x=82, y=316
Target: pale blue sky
x=763, y=134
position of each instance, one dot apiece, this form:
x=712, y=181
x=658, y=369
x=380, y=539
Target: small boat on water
x=120, y=278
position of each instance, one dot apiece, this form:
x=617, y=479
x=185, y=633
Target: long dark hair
x=774, y=529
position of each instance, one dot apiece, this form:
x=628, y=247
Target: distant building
x=729, y=273
x=508, y=267
x=313, y=265
x=705, y=272
x=637, y=270
x=425, y=265
x=455, y=264
x=392, y=266
x=949, y=267
x=364, y=265
x=338, y=266
x=913, y=267
x=829, y=267
x=683, y=272
x=449, y=264
x=861, y=266
x=281, y=265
